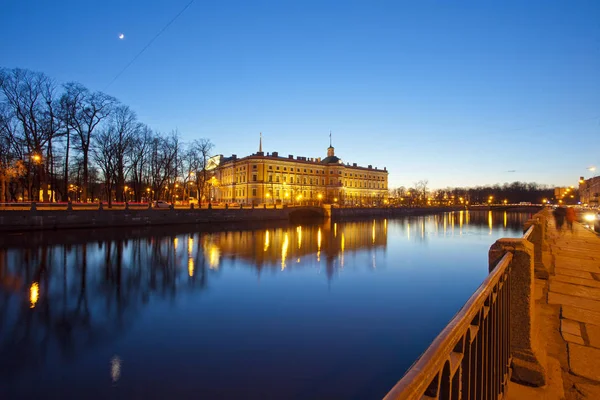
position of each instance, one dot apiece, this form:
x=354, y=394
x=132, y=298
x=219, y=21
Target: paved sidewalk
x=568, y=313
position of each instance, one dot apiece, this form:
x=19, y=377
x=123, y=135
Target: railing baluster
x=470, y=359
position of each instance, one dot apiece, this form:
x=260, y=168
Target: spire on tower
x=260, y=144
x=330, y=138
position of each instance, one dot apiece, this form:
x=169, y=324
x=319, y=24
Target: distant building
x=273, y=179
x=589, y=191
x=566, y=195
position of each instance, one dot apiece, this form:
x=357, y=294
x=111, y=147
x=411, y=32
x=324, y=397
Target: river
x=313, y=311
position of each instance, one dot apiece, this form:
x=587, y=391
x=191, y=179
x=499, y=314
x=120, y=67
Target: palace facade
x=589, y=191
x=273, y=179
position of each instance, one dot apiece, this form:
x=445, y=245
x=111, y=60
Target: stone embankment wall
x=338, y=213
x=44, y=220
x=61, y=219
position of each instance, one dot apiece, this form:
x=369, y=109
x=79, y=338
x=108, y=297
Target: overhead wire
x=164, y=28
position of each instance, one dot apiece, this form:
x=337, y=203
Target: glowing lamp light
x=34, y=294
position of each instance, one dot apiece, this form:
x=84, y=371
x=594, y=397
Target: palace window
x=277, y=178
x=270, y=167
x=254, y=178
x=254, y=192
x=291, y=179
x=277, y=168
x=270, y=178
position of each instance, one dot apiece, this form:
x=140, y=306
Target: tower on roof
x=330, y=149
x=260, y=144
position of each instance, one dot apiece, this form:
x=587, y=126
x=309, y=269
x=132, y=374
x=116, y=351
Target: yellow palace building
x=273, y=179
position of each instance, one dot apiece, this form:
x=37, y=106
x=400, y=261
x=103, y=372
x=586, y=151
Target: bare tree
x=27, y=94
x=90, y=109
x=126, y=128
x=138, y=159
x=162, y=163
x=105, y=156
x=202, y=149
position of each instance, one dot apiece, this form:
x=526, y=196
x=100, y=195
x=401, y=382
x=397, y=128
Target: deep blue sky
x=455, y=92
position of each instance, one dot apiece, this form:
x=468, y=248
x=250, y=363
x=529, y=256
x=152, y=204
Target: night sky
x=459, y=93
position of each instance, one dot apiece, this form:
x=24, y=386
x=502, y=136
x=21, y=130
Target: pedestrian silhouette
x=559, y=218
x=571, y=217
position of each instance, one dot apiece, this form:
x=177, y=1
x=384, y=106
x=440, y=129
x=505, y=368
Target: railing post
x=33, y=206
x=537, y=238
x=527, y=366
x=69, y=205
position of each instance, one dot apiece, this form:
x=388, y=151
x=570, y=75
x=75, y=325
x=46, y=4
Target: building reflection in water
x=455, y=223
x=69, y=296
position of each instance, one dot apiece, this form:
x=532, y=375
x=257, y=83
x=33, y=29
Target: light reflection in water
x=34, y=294
x=505, y=219
x=284, y=250
x=444, y=224
x=115, y=369
x=373, y=232
x=190, y=267
x=490, y=221
x=214, y=256
x=107, y=283
x=342, y=247
x=318, y=244
x=266, y=240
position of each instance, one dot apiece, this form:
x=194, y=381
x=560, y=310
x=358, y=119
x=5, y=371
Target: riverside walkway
x=568, y=315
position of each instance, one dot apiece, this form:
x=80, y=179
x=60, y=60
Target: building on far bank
x=589, y=191
x=274, y=179
x=566, y=195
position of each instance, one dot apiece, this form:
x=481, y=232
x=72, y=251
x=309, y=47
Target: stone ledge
x=576, y=281
x=575, y=290
x=580, y=314
x=573, y=272
x=580, y=302
x=570, y=326
x=583, y=361
x=593, y=334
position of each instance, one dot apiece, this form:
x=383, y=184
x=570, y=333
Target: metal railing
x=471, y=357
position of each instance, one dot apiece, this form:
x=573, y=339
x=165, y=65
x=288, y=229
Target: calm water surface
x=326, y=311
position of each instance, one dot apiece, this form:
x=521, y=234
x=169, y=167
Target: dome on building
x=331, y=160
